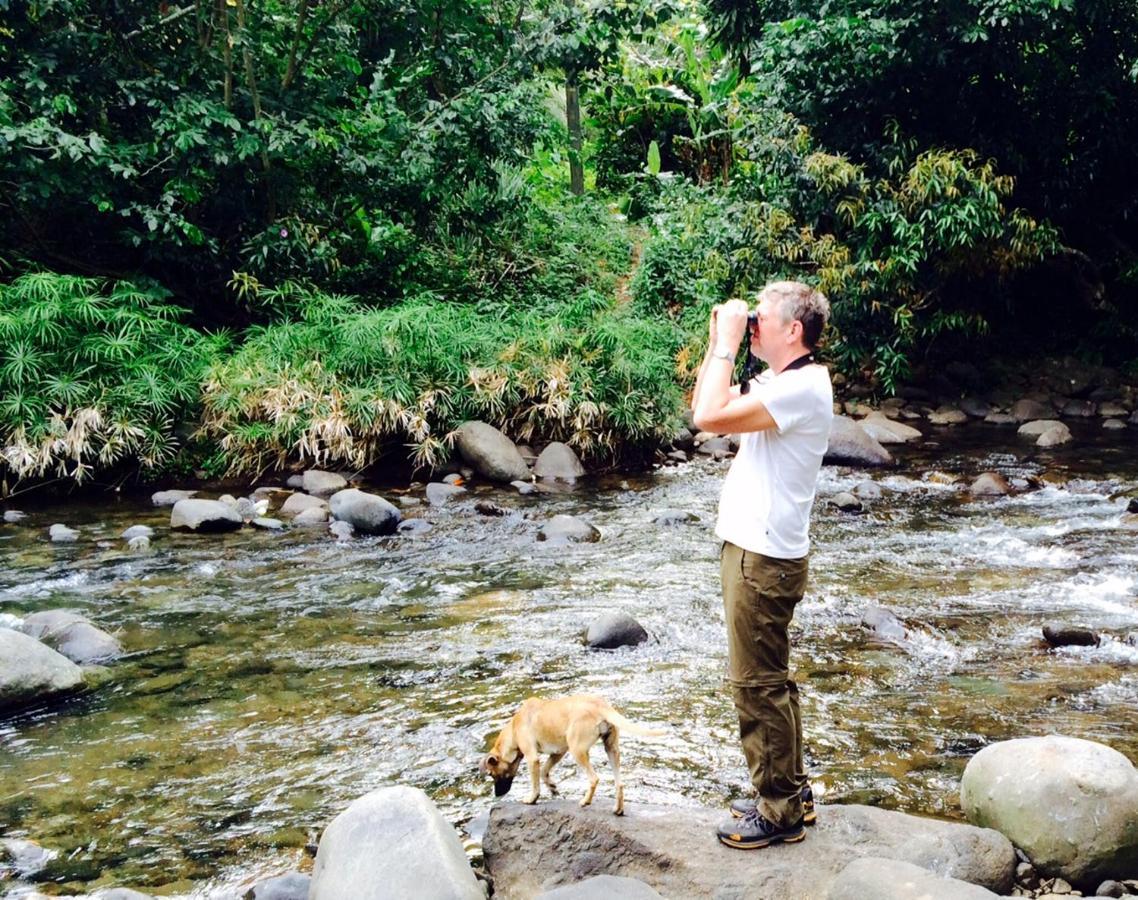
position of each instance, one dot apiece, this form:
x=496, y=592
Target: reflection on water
x=273, y=678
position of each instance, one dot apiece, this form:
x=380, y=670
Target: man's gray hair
x=798, y=301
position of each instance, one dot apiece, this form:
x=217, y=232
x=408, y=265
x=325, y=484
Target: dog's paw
x=531, y=799
x=553, y=792
x=585, y=801
x=618, y=811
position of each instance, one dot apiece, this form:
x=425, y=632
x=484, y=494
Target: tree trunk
x=573, y=121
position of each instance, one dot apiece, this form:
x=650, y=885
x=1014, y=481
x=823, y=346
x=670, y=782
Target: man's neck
x=779, y=364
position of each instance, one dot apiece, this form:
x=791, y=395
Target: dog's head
x=503, y=772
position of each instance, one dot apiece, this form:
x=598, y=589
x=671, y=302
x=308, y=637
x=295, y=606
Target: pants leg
x=759, y=596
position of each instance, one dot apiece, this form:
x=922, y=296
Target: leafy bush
x=341, y=385
x=93, y=373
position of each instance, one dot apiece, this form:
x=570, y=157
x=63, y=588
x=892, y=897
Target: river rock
x=717, y=447
x=975, y=408
x=1058, y=636
x=322, y=484
x=884, y=624
x=568, y=529
x=440, y=494
x=12, y=516
x=1082, y=409
x=990, y=484
x=138, y=543
x=392, y=843
x=228, y=500
x=30, y=670
x=602, y=887
x=137, y=531
x=61, y=534
x=314, y=515
x=850, y=443
x=558, y=462
x=885, y=431
x=615, y=629
x=119, y=893
x=999, y=418
x=267, y=524
x=891, y=879
x=1132, y=505
x=169, y=498
x=1114, y=425
x=1054, y=437
x=249, y=509
x=846, y=502
x=204, y=516
x=1112, y=409
x=489, y=508
x=524, y=487
x=413, y=527
x=671, y=517
x=1026, y=409
x=683, y=439
x=948, y=415
x=1037, y=426
x=868, y=490
x=296, y=482
x=293, y=886
x=675, y=850
x=342, y=531
x=26, y=857
x=1069, y=804
x=72, y=635
x=490, y=453
x=298, y=503
x=367, y=513
x=1111, y=888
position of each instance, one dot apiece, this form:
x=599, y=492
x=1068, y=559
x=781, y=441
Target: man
x=764, y=519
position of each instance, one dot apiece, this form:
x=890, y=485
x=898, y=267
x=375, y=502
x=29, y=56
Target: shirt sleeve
x=788, y=400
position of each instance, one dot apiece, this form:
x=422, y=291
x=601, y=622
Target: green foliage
x=93, y=374
x=903, y=259
x=341, y=386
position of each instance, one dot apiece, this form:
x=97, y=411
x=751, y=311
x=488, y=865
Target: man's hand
x=729, y=324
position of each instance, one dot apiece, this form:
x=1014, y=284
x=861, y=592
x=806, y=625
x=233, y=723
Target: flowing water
x=273, y=678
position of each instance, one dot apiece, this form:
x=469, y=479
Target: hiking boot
x=753, y=830
x=740, y=808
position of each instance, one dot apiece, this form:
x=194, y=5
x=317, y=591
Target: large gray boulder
x=1071, y=805
x=392, y=843
x=322, y=484
x=886, y=431
x=558, y=462
x=490, y=453
x=204, y=516
x=72, y=635
x=366, y=513
x=30, y=670
x=851, y=444
x=298, y=503
x=530, y=849
x=891, y=879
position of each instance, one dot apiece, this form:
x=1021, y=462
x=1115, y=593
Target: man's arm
x=720, y=408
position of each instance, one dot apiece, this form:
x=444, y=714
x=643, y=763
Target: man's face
x=771, y=332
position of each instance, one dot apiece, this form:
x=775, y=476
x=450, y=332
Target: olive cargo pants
x=759, y=596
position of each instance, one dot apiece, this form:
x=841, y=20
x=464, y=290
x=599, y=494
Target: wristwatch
x=723, y=354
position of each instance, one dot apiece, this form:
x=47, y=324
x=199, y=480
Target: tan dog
x=566, y=725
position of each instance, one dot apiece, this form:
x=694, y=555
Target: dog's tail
x=631, y=728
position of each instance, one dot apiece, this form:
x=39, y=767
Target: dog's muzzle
x=502, y=785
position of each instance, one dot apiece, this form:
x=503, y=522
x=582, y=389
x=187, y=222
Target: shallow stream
x=273, y=678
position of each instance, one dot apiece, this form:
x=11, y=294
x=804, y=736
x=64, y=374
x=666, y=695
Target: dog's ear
x=489, y=763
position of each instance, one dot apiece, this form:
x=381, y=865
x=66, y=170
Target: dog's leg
x=612, y=748
x=534, y=775
x=580, y=738
x=554, y=759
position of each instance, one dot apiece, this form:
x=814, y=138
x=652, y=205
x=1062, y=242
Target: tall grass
x=93, y=373
x=341, y=384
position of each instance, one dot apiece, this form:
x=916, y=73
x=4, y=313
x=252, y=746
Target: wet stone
x=413, y=527
x=1059, y=636
x=439, y=494
x=616, y=629
x=61, y=534
x=12, y=516
x=137, y=531
x=489, y=508
x=846, y=502
x=293, y=886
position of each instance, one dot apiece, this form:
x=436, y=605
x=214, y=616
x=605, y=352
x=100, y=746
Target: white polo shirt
x=769, y=490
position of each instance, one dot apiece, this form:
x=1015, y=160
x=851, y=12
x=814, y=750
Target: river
x=272, y=678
